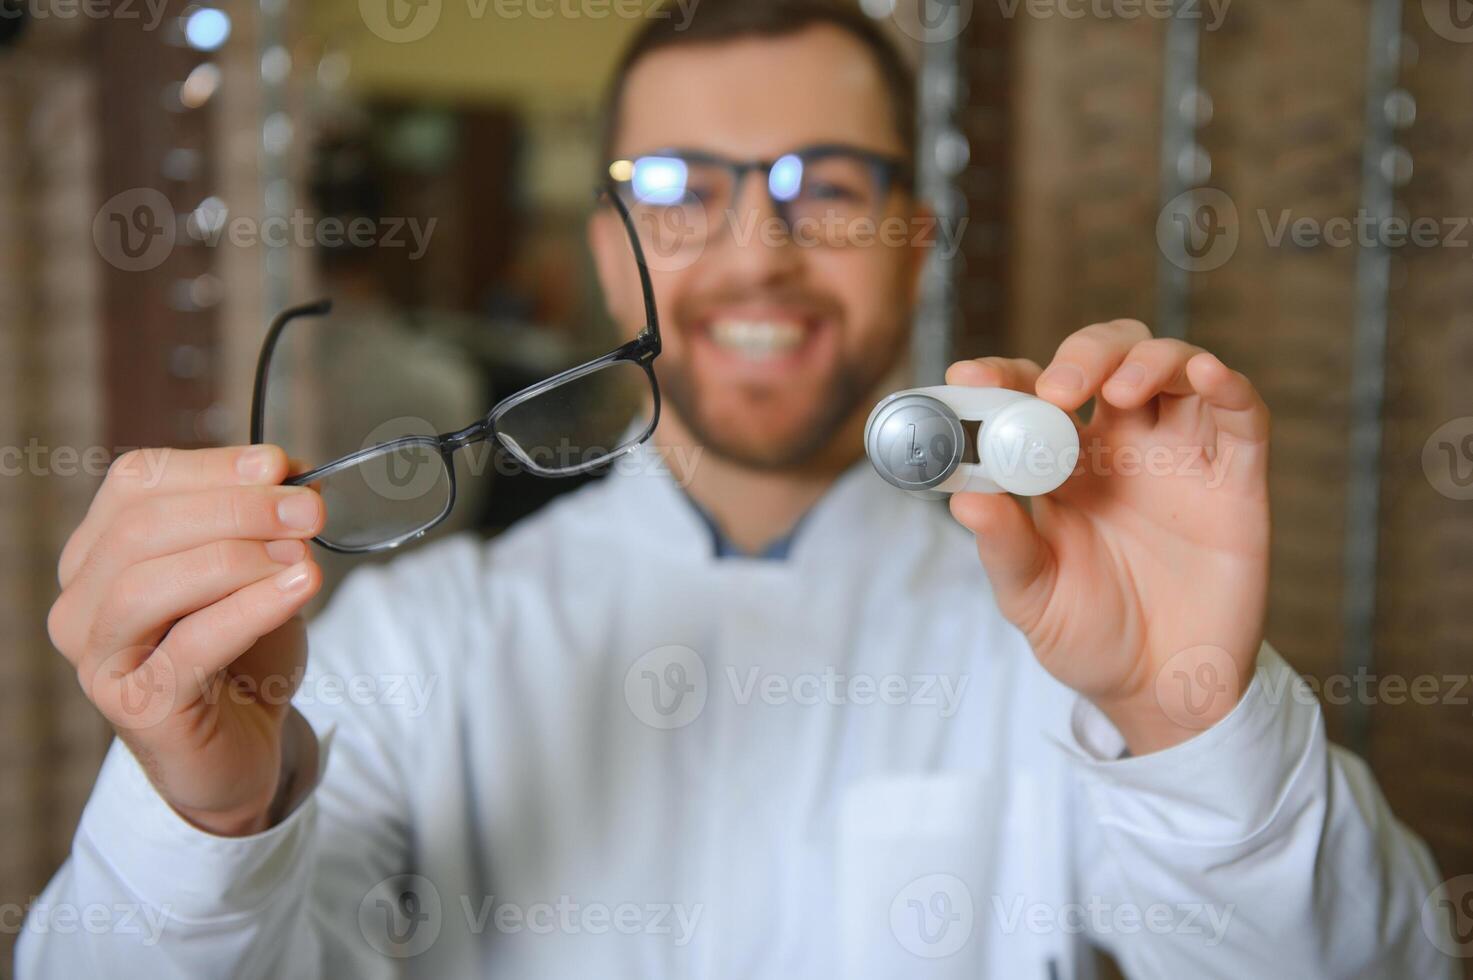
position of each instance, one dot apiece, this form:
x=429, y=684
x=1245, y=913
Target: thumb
x=1014, y=554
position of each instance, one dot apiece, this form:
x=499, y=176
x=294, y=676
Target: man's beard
x=848, y=386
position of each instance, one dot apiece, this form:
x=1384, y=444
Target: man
x=781, y=723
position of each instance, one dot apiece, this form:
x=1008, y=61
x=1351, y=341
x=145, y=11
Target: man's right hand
x=179, y=608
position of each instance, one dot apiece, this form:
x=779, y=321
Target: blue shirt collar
x=721, y=547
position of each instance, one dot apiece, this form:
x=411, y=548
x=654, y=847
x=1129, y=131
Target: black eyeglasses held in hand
x=392, y=492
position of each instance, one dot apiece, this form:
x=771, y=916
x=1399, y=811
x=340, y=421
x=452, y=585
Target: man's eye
x=824, y=191
x=698, y=194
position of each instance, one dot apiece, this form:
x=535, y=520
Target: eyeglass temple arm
x=273, y=333
x=651, y=315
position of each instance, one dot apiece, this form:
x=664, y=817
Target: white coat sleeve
x=1256, y=848
x=283, y=903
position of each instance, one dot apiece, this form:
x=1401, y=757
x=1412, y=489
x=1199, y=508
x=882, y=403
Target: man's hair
x=718, y=21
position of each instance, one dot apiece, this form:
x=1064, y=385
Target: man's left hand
x=1142, y=582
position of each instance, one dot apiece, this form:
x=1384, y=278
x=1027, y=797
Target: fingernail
x=1131, y=375
x=255, y=465
x=299, y=511
x=286, y=552
x=1065, y=377
x=293, y=578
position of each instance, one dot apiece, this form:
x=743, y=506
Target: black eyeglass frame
x=642, y=351
x=890, y=171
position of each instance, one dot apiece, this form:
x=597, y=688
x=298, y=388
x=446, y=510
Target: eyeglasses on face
x=395, y=490
x=832, y=191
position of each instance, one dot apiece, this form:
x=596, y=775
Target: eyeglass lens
x=391, y=494
x=581, y=422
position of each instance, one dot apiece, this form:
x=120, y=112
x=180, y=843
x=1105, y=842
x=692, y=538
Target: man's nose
x=759, y=240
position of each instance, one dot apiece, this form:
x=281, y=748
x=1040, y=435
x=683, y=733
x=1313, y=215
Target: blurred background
x=1286, y=182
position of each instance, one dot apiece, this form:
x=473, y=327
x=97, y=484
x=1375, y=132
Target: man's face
x=770, y=345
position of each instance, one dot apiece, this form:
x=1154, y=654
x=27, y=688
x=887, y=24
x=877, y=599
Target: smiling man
x=783, y=722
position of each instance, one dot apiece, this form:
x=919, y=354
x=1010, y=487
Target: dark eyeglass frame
x=642, y=351
x=891, y=172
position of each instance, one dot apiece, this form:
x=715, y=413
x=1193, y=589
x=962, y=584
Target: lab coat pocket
x=916, y=858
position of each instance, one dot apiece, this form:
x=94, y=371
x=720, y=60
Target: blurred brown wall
x=50, y=403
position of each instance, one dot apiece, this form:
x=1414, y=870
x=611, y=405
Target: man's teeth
x=757, y=338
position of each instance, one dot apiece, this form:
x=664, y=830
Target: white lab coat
x=603, y=752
